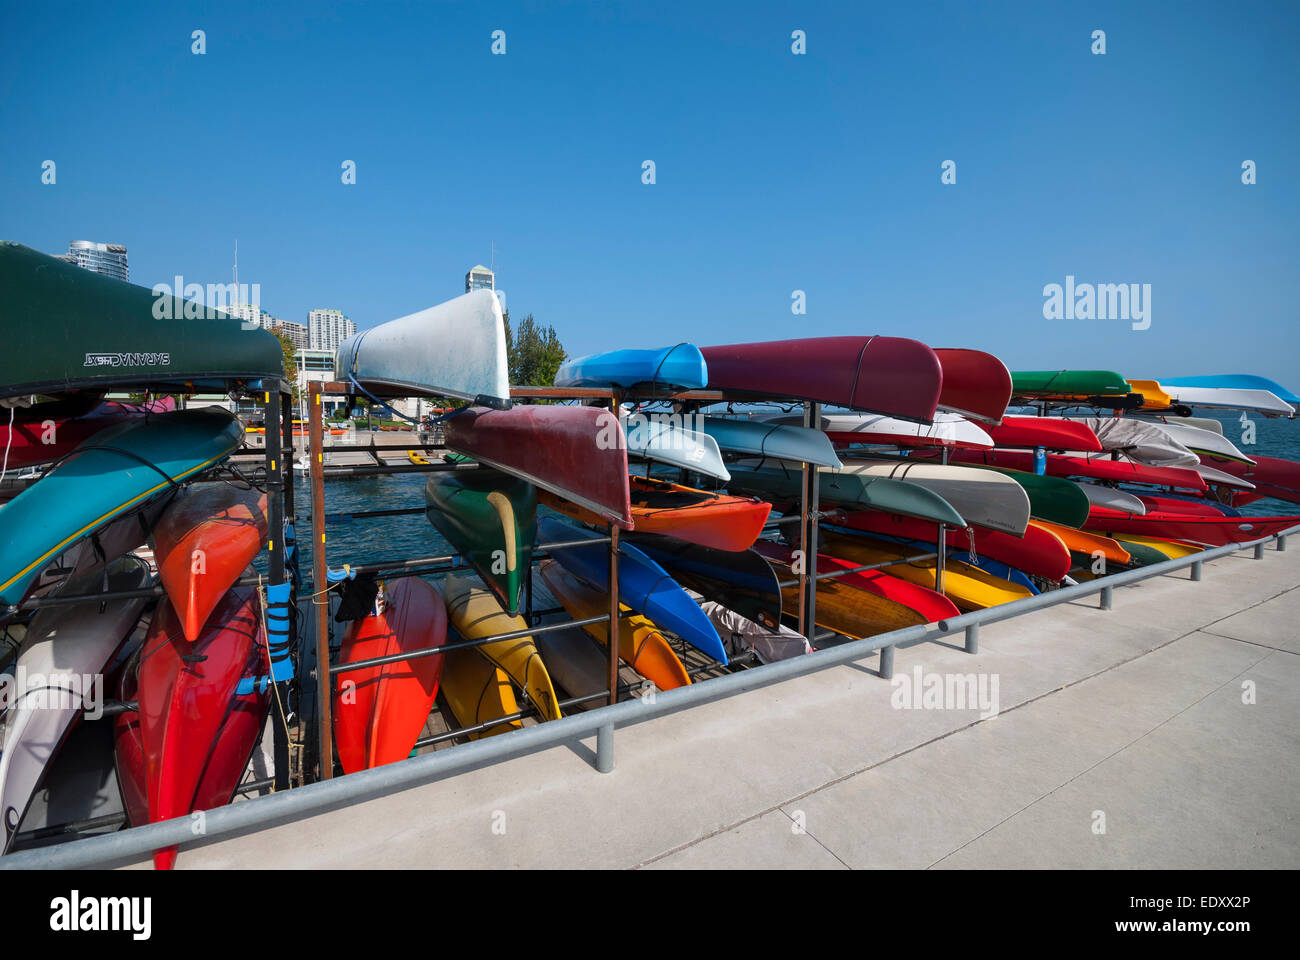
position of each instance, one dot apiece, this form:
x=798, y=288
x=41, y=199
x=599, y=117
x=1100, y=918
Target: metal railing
x=287, y=805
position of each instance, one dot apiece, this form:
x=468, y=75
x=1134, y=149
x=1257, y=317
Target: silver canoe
x=1099, y=496
x=456, y=349
x=1211, y=475
x=64, y=644
x=767, y=439
x=983, y=497
x=948, y=429
x=677, y=446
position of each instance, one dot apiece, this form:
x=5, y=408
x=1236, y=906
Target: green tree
x=290, y=362
x=534, y=353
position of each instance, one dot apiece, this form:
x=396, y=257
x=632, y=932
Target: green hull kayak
x=1050, y=498
x=777, y=480
x=490, y=518
x=1068, y=383
x=66, y=328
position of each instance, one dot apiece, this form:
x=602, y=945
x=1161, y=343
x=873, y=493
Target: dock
x=1161, y=734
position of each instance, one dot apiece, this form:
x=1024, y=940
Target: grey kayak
x=1099, y=496
x=764, y=439
x=667, y=442
x=983, y=498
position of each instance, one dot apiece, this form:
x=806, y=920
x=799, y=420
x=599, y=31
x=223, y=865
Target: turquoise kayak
x=112, y=472
x=680, y=366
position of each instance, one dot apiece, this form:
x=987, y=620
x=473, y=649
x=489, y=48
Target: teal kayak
x=66, y=328
x=680, y=366
x=111, y=473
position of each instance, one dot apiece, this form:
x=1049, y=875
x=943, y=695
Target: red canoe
x=579, y=453
x=1095, y=468
x=1049, y=432
x=1272, y=477
x=1210, y=531
x=379, y=712
x=41, y=435
x=202, y=544
x=889, y=375
x=189, y=745
x=1038, y=552
x=975, y=384
x=1204, y=508
x=923, y=601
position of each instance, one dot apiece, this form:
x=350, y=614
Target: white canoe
x=1211, y=475
x=677, y=446
x=948, y=430
x=766, y=439
x=1099, y=496
x=1224, y=398
x=456, y=349
x=64, y=644
x=984, y=498
x=1204, y=441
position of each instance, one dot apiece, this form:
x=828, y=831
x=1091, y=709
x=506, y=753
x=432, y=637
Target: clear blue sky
x=775, y=172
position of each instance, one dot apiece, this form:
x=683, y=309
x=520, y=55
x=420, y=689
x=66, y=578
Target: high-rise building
x=480, y=278
x=296, y=332
x=106, y=258
x=326, y=329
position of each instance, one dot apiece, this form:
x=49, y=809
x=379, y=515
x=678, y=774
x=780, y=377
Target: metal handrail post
x=320, y=579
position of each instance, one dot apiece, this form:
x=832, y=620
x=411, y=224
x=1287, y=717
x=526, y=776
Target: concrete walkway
x=1124, y=739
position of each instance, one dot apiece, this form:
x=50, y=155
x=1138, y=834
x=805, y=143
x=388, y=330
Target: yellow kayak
x=970, y=588
x=417, y=458
x=477, y=691
x=1153, y=395
x=640, y=645
x=475, y=613
x=1173, y=549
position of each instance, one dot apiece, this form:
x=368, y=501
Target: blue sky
x=775, y=172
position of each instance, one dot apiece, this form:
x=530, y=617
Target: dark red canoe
x=1211, y=531
x=1049, y=432
x=40, y=435
x=1038, y=552
x=579, y=453
x=889, y=375
x=1094, y=468
x=975, y=384
x=187, y=747
x=1272, y=477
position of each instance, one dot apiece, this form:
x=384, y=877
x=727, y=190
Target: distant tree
x=290, y=362
x=534, y=353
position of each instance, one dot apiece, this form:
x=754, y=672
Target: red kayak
x=1094, y=468
x=1210, y=531
x=188, y=746
x=41, y=435
x=1048, y=432
x=1272, y=477
x=579, y=453
x=1204, y=508
x=889, y=375
x=379, y=712
x=1038, y=552
x=205, y=539
x=923, y=601
x=975, y=384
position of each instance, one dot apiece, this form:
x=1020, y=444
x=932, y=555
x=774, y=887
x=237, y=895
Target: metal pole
x=1196, y=570
x=605, y=748
x=1259, y=551
x=286, y=422
x=613, y=614
x=319, y=580
x=1281, y=544
x=806, y=481
x=275, y=530
x=1107, y=597
x=811, y=542
x=973, y=638
x=941, y=558
x=887, y=662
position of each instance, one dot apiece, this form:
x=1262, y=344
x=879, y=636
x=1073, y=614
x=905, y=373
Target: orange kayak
x=202, y=543
x=1080, y=541
x=640, y=645
x=716, y=520
x=380, y=711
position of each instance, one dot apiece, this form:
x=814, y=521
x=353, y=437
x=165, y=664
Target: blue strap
x=277, y=631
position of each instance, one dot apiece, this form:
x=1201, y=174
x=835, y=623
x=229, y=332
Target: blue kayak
x=643, y=585
x=677, y=366
x=1233, y=381
x=114, y=471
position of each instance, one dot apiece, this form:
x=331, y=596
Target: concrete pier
x=1162, y=733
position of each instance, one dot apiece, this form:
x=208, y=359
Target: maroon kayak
x=975, y=384
x=39, y=435
x=1094, y=468
x=1049, y=432
x=889, y=375
x=579, y=453
x=1272, y=477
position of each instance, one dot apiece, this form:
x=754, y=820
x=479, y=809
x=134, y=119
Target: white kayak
x=456, y=349
x=766, y=439
x=1099, y=496
x=947, y=430
x=64, y=646
x=1224, y=398
x=1211, y=475
x=678, y=446
x=984, y=498
x=1199, y=440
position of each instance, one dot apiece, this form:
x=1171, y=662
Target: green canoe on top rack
x=65, y=328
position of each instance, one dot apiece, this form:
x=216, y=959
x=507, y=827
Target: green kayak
x=65, y=328
x=1050, y=498
x=781, y=480
x=1068, y=383
x=490, y=519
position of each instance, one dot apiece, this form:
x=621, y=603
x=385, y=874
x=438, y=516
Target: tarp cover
x=1141, y=442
